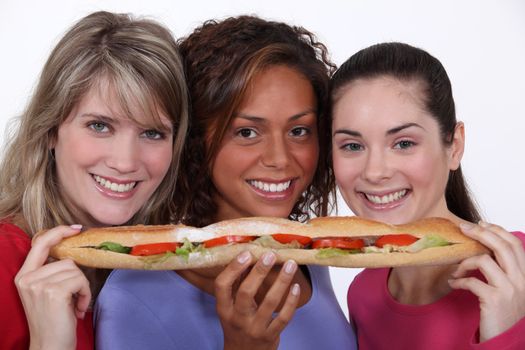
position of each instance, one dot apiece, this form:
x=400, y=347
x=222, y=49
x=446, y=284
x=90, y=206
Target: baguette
x=85, y=248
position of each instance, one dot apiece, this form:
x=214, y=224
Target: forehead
x=118, y=100
x=378, y=99
x=279, y=84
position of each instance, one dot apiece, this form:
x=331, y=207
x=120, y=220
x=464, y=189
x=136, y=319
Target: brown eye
x=246, y=133
x=300, y=131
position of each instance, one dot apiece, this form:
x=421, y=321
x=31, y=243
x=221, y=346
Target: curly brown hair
x=221, y=58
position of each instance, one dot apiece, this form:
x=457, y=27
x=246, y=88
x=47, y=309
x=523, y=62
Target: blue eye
x=98, y=127
x=246, y=133
x=153, y=135
x=300, y=131
x=352, y=147
x=404, y=144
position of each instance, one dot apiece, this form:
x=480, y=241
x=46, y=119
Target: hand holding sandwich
x=245, y=322
x=54, y=295
x=502, y=296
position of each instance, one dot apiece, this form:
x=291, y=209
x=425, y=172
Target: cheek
x=307, y=157
x=71, y=150
x=158, y=160
x=232, y=159
x=346, y=170
x=427, y=171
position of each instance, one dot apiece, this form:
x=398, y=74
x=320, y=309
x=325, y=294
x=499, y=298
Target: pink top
x=452, y=322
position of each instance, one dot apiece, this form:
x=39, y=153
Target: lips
x=386, y=199
x=271, y=187
x=120, y=187
x=281, y=190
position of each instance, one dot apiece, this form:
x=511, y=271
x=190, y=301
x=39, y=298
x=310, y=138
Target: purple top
x=161, y=310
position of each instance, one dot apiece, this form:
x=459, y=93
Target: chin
x=275, y=212
x=113, y=219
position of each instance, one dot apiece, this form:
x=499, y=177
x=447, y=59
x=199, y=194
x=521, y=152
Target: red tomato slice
x=285, y=238
x=214, y=242
x=154, y=248
x=399, y=240
x=338, y=242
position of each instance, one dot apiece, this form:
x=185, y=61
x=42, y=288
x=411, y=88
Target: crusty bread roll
x=81, y=248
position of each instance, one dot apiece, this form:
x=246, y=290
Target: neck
x=419, y=285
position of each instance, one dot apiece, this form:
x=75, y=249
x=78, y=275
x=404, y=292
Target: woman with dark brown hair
x=397, y=150
x=258, y=146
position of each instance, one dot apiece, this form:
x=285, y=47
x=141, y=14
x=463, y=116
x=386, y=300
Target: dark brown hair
x=221, y=58
x=407, y=63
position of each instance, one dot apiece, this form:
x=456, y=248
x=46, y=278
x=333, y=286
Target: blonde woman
x=98, y=145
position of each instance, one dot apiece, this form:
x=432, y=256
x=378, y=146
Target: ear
x=457, y=147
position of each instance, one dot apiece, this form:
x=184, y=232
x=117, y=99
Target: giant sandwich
x=330, y=241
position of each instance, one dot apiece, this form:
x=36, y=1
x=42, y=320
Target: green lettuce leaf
x=427, y=242
x=325, y=253
x=114, y=247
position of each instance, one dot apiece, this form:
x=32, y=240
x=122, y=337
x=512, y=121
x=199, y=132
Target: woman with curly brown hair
x=258, y=146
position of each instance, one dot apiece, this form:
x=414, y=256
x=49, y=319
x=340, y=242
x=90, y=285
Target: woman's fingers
x=489, y=268
x=57, y=283
x=245, y=296
x=513, y=243
x=275, y=295
x=244, y=322
x=278, y=290
x=42, y=244
x=502, y=244
x=502, y=297
x=287, y=311
x=227, y=278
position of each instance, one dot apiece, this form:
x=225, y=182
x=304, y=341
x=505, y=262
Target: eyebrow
x=403, y=127
x=392, y=131
x=257, y=119
x=102, y=117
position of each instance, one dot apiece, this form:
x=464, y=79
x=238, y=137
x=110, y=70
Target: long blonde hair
x=140, y=60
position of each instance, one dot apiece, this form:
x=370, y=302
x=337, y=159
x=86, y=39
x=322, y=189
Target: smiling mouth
x=387, y=198
x=113, y=186
x=270, y=187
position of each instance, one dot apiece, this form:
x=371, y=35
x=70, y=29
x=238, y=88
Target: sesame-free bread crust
x=80, y=248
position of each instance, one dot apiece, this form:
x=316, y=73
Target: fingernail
x=243, y=257
x=296, y=289
x=290, y=267
x=268, y=258
x=466, y=226
x=76, y=227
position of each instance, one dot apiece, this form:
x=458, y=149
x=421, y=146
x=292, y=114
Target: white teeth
x=270, y=187
x=386, y=199
x=115, y=187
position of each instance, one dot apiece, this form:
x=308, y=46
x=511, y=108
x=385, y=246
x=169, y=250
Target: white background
x=480, y=43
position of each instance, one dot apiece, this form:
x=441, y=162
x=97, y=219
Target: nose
x=124, y=154
x=276, y=153
x=377, y=167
